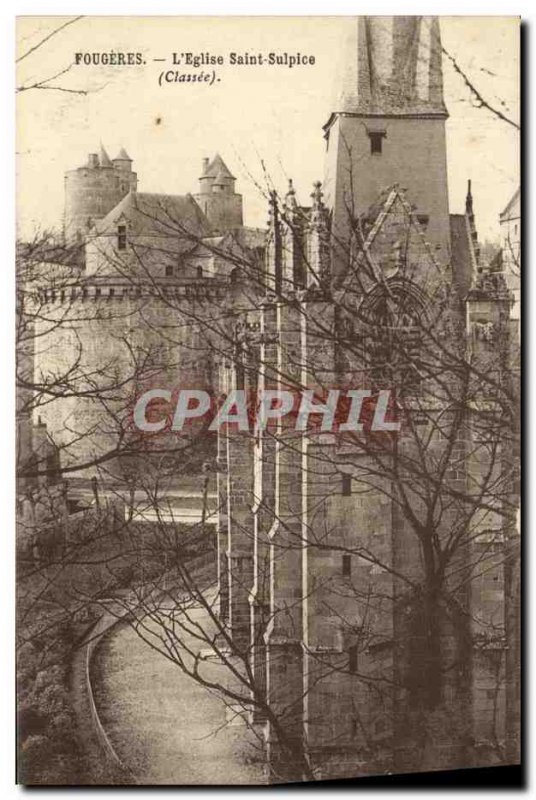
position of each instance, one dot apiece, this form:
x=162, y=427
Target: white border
x=8, y=12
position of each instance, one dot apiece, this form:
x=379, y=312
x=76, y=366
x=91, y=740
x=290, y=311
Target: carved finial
x=317, y=195
x=318, y=210
x=290, y=197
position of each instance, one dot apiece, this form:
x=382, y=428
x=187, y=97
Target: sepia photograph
x=268, y=428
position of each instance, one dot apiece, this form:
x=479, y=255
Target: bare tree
x=406, y=624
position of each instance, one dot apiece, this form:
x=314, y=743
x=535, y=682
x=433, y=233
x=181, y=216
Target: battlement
x=209, y=291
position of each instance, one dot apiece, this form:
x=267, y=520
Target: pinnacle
x=317, y=194
x=290, y=197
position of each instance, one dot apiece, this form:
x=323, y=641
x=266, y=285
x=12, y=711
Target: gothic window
x=376, y=141
x=393, y=305
x=394, y=315
x=121, y=237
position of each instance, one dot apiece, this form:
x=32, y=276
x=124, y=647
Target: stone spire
x=473, y=233
x=469, y=200
x=391, y=65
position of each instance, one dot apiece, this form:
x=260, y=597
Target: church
x=371, y=580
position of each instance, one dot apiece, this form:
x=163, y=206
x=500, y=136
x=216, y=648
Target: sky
x=264, y=120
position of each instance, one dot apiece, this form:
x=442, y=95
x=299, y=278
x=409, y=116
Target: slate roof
x=122, y=155
x=73, y=256
x=158, y=215
x=104, y=158
x=511, y=204
x=218, y=169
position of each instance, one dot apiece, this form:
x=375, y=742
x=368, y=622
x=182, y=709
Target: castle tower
x=217, y=197
x=388, y=126
x=91, y=191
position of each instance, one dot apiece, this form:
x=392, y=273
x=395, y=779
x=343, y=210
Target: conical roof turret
x=122, y=155
x=104, y=158
x=217, y=168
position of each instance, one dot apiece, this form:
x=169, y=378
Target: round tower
x=217, y=197
x=91, y=191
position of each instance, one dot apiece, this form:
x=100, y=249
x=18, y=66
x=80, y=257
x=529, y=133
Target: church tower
x=388, y=126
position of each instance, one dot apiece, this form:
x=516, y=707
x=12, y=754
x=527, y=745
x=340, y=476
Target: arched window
x=199, y=272
x=395, y=319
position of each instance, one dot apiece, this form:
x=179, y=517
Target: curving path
x=163, y=725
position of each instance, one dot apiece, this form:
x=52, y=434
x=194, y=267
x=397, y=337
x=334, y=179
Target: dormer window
x=121, y=237
x=376, y=141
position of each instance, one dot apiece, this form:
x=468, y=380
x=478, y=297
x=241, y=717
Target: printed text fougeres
x=117, y=58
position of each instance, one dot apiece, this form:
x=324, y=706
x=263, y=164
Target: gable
x=395, y=244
